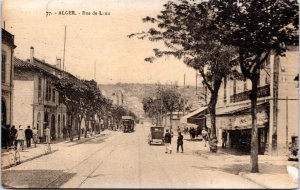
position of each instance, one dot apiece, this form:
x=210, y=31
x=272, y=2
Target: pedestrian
x=69, y=131
x=28, y=135
x=193, y=133
x=198, y=130
x=64, y=133
x=204, y=135
x=35, y=136
x=47, y=134
x=180, y=142
x=224, y=139
x=168, y=139
x=20, y=138
x=9, y=132
x=4, y=136
x=13, y=136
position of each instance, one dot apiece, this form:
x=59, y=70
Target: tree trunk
x=254, y=132
x=171, y=116
x=71, y=130
x=212, y=112
x=79, y=127
x=86, y=123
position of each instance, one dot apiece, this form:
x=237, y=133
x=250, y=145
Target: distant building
x=118, y=98
x=7, y=74
x=37, y=102
x=135, y=105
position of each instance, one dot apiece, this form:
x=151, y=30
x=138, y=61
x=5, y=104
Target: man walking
x=180, y=142
x=224, y=139
x=168, y=139
x=35, y=136
x=47, y=134
x=204, y=135
x=13, y=136
x=20, y=137
x=28, y=135
x=64, y=133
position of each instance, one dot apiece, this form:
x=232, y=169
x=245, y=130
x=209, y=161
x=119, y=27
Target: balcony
x=263, y=91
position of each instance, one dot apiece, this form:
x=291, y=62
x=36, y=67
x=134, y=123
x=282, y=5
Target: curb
x=243, y=175
x=88, y=139
x=29, y=159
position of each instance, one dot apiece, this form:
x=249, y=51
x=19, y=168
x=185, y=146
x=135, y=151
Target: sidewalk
x=273, y=169
x=32, y=153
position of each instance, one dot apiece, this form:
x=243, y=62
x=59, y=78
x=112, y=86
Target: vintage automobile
x=156, y=135
x=128, y=124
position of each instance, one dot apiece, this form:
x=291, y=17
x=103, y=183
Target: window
x=39, y=87
x=3, y=66
x=48, y=90
x=53, y=95
x=234, y=86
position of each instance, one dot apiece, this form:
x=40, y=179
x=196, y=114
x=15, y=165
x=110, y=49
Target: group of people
x=17, y=137
x=204, y=133
x=168, y=141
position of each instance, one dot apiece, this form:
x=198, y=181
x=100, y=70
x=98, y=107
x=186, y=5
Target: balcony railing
x=263, y=91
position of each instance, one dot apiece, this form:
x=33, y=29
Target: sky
x=93, y=40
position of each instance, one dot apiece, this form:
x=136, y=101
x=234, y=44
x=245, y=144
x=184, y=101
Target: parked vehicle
x=128, y=124
x=156, y=135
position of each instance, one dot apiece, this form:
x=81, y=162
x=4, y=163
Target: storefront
x=238, y=123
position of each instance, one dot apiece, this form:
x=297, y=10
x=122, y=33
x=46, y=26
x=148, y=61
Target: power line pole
x=95, y=71
x=64, y=48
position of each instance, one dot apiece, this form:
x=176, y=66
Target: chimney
x=31, y=54
x=58, y=63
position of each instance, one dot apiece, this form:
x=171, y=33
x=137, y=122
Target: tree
x=71, y=92
x=171, y=101
x=186, y=30
x=256, y=28
x=117, y=112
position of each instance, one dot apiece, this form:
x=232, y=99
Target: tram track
x=102, y=161
x=48, y=185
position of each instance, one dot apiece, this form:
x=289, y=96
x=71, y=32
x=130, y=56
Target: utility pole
x=95, y=71
x=64, y=49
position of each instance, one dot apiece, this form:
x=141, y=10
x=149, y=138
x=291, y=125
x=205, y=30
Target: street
x=122, y=160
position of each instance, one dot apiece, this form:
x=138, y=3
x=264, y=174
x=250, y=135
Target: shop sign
x=246, y=120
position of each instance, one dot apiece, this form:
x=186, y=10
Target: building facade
x=277, y=107
x=7, y=71
x=37, y=102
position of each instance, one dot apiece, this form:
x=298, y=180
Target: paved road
x=119, y=160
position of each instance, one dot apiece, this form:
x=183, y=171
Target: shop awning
x=239, y=117
x=184, y=118
x=233, y=110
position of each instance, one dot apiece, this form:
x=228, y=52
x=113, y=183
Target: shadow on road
x=245, y=167
x=35, y=178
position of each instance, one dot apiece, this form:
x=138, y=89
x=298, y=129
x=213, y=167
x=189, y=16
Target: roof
x=22, y=64
x=40, y=66
x=184, y=118
x=50, y=68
